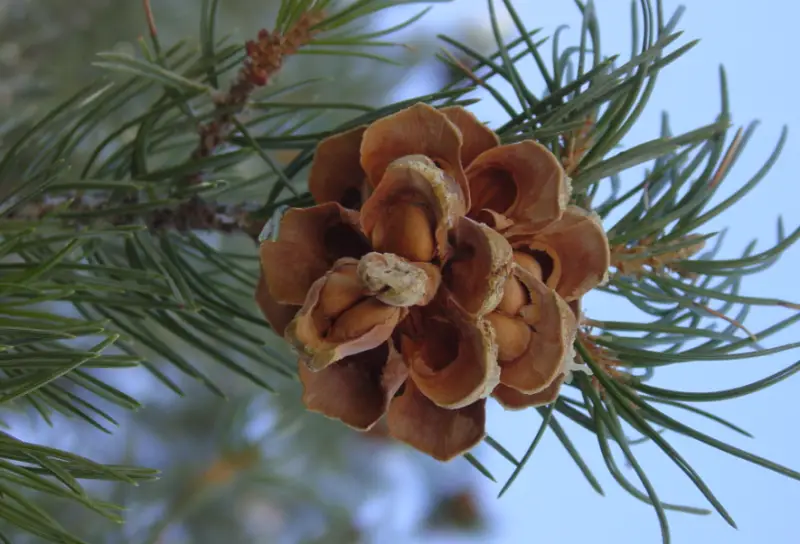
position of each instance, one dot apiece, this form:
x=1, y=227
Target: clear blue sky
x=551, y=502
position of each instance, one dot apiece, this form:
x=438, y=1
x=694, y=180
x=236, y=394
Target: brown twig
x=151, y=21
x=265, y=57
x=636, y=260
x=194, y=214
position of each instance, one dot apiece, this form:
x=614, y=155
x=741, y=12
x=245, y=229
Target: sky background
x=551, y=501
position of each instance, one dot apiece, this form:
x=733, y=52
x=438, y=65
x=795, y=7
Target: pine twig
x=265, y=57
x=646, y=256
x=151, y=20
x=194, y=214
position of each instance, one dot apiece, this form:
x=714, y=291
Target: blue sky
x=550, y=501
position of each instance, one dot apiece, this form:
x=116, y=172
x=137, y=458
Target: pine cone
x=437, y=269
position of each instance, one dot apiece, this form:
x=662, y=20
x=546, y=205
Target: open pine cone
x=438, y=268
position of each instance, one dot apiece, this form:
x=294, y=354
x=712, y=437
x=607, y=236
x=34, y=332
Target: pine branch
x=194, y=214
x=122, y=248
x=265, y=56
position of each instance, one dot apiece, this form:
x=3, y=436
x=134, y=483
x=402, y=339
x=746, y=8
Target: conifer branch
x=192, y=214
x=153, y=295
x=265, y=56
